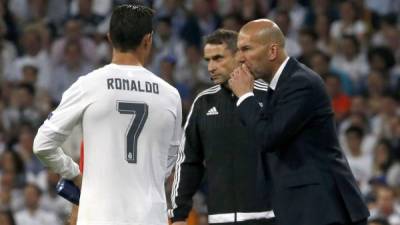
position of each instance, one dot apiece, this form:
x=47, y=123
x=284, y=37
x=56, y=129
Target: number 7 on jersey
x=139, y=111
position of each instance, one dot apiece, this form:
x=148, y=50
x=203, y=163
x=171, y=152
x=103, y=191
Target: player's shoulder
x=97, y=73
x=93, y=75
x=207, y=93
x=164, y=84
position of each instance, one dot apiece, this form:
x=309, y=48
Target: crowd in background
x=45, y=45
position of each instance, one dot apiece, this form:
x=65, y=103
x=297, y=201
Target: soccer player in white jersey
x=131, y=122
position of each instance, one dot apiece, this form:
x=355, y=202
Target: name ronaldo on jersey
x=132, y=85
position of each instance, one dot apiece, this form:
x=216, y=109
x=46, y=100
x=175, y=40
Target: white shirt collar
x=277, y=74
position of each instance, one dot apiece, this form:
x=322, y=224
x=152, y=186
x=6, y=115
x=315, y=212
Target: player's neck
x=127, y=58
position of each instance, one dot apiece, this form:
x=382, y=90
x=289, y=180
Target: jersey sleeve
x=189, y=168
x=176, y=138
x=56, y=129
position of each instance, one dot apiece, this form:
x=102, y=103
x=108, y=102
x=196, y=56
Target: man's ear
x=109, y=38
x=272, y=52
x=147, y=40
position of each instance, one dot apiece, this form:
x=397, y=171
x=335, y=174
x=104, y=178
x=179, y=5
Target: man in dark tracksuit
x=216, y=144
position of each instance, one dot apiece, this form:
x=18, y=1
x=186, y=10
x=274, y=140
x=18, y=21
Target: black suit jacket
x=295, y=132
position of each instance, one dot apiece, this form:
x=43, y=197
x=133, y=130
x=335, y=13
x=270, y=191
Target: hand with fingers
x=241, y=81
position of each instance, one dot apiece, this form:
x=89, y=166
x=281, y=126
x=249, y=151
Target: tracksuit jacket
x=215, y=144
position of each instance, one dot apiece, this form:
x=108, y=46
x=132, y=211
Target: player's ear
x=147, y=40
x=109, y=38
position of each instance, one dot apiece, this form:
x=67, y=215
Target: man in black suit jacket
x=295, y=132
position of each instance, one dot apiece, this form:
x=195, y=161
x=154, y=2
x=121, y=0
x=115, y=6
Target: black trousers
x=250, y=222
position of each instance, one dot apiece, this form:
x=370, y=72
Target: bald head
x=261, y=47
x=264, y=31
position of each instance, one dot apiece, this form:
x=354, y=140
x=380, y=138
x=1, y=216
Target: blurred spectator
x=73, y=32
x=6, y=217
x=376, y=87
x=349, y=23
x=33, y=168
x=165, y=44
x=12, y=162
x=32, y=214
x=167, y=72
x=394, y=131
x=232, y=22
x=282, y=19
x=378, y=221
x=202, y=22
x=321, y=27
x=382, y=158
x=387, y=110
x=22, y=108
x=388, y=35
x=340, y=101
x=51, y=201
x=9, y=19
x=48, y=11
x=175, y=10
x=8, y=52
x=321, y=64
x=360, y=163
x=308, y=40
x=296, y=11
x=249, y=9
x=365, y=15
x=351, y=60
x=194, y=72
x=385, y=207
x=11, y=197
x=318, y=9
x=90, y=20
x=384, y=7
x=69, y=69
x=100, y=7
x=29, y=74
x=360, y=120
x=359, y=105
x=33, y=54
x=382, y=59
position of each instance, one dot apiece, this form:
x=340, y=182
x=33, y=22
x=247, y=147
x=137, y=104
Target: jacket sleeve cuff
x=243, y=97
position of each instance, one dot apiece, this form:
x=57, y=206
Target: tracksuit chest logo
x=213, y=111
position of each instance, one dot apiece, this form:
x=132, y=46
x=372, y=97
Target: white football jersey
x=131, y=121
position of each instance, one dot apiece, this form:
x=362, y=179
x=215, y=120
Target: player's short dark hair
x=129, y=24
x=223, y=36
